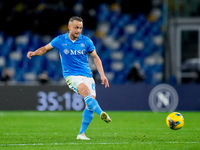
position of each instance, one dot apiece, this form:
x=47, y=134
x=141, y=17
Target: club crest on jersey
x=82, y=45
x=66, y=51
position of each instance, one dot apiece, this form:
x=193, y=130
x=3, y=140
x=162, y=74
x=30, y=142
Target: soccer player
x=73, y=48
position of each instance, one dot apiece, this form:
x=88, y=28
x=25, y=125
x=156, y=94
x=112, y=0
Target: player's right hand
x=29, y=54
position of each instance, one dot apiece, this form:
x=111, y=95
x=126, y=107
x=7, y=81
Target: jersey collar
x=67, y=36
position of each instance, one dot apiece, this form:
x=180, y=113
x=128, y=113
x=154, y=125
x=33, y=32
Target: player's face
x=75, y=29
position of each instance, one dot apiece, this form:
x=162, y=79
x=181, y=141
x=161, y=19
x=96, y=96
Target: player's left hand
x=104, y=81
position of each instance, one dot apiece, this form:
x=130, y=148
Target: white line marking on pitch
x=56, y=144
x=33, y=144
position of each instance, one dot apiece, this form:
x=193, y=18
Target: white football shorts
x=74, y=81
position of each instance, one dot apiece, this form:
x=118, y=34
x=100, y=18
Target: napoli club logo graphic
x=163, y=97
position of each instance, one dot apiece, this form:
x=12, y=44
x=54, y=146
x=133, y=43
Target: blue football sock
x=87, y=118
x=93, y=104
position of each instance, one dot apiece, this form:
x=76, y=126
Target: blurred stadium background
x=147, y=42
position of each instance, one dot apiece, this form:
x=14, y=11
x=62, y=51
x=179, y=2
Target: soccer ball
x=175, y=121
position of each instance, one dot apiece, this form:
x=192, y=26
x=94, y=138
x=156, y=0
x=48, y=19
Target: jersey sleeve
x=54, y=42
x=91, y=46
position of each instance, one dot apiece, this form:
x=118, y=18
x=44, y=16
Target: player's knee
x=93, y=96
x=83, y=90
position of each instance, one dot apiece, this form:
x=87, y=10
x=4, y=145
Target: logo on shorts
x=163, y=97
x=93, y=86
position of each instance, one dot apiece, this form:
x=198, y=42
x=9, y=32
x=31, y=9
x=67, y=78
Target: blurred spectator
x=135, y=74
x=7, y=75
x=43, y=78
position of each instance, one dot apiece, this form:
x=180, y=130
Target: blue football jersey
x=74, y=54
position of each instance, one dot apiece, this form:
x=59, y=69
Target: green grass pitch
x=129, y=130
